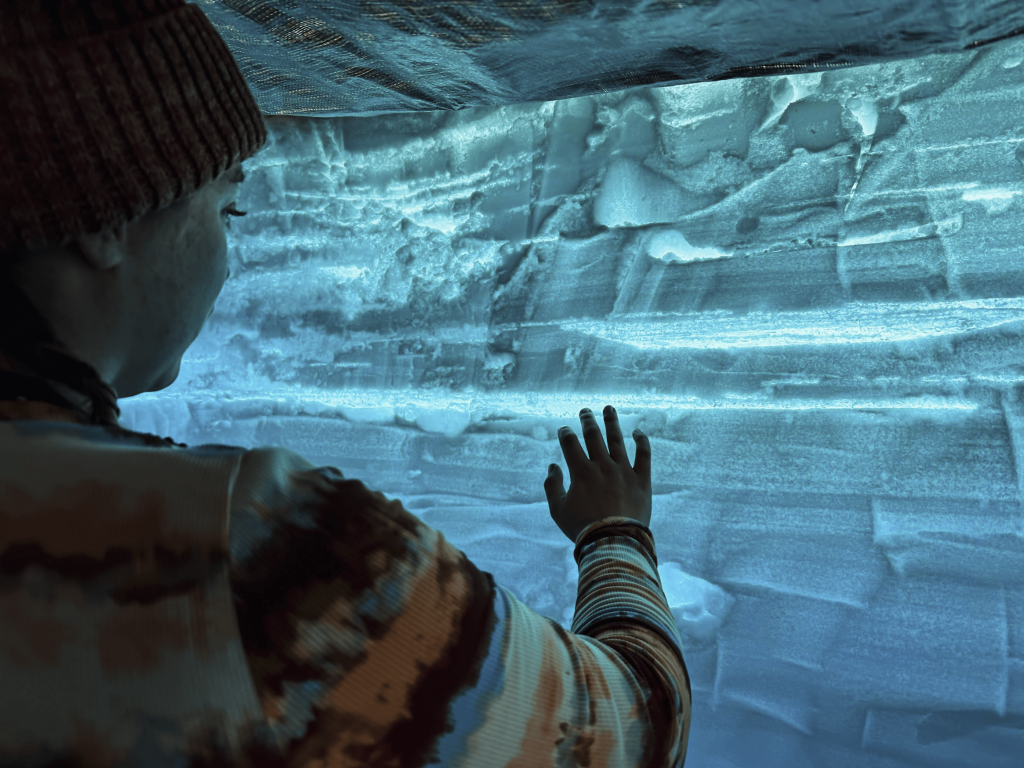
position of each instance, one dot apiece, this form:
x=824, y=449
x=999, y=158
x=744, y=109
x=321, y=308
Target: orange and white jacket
x=166, y=605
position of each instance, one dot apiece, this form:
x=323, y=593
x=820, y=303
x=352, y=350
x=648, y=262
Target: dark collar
x=23, y=386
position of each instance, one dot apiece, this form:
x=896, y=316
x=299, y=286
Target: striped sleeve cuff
x=619, y=580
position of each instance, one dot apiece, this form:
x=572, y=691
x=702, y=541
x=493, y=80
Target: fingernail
x=609, y=410
x=584, y=411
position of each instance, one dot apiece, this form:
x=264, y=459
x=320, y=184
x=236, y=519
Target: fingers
x=592, y=436
x=616, y=447
x=554, y=488
x=576, y=458
x=642, y=465
x=573, y=452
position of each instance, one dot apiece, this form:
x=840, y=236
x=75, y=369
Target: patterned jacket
x=166, y=605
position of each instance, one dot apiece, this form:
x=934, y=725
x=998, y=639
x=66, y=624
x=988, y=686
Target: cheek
x=207, y=265
x=216, y=267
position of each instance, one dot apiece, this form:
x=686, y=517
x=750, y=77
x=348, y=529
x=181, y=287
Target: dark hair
x=28, y=337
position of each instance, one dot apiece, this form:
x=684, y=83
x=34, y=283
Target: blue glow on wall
x=808, y=290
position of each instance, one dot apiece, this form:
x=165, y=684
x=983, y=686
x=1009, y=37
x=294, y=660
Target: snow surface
x=807, y=290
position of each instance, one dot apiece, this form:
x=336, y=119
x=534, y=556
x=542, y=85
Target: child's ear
x=105, y=249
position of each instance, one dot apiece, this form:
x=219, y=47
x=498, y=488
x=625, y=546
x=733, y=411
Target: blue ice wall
x=807, y=290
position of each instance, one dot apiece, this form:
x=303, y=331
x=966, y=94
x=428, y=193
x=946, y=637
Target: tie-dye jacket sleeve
x=373, y=641
x=197, y=606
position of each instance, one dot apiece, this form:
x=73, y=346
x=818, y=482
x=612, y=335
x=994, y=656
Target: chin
x=168, y=377
x=161, y=381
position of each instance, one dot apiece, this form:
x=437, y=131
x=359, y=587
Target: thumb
x=553, y=487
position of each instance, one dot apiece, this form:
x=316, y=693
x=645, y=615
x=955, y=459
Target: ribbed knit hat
x=112, y=109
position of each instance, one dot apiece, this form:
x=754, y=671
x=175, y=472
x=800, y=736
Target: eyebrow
x=237, y=175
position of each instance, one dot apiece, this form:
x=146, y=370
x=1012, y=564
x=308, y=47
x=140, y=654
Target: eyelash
x=232, y=211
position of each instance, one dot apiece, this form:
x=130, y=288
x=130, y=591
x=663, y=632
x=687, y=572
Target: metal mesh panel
x=365, y=57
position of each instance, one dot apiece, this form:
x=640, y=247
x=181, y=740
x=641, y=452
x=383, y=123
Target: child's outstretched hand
x=605, y=485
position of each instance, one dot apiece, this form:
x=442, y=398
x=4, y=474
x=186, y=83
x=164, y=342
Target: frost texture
x=807, y=290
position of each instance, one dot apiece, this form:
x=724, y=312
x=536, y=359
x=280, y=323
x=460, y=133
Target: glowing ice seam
x=854, y=323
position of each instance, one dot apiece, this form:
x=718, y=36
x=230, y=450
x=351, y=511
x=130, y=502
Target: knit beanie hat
x=113, y=109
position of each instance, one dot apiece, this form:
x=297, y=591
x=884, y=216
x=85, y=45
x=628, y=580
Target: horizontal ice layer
x=964, y=539
x=944, y=740
x=860, y=323
x=771, y=654
x=923, y=452
x=784, y=544
x=927, y=645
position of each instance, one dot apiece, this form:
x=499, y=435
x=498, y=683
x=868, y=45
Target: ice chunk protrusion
x=698, y=606
x=670, y=246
